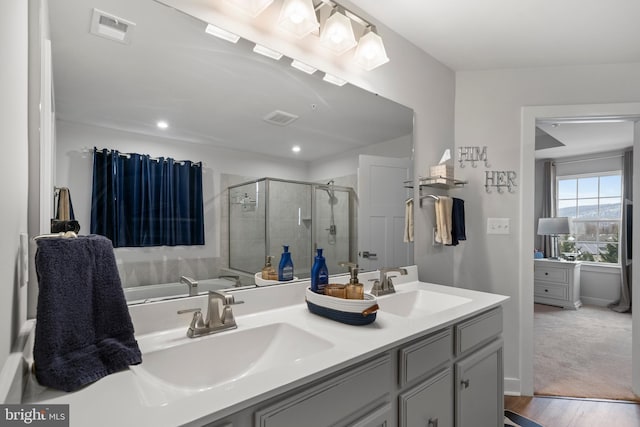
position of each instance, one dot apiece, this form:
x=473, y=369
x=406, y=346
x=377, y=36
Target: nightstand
x=557, y=283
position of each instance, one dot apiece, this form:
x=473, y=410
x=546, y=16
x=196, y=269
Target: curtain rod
x=590, y=159
x=155, y=159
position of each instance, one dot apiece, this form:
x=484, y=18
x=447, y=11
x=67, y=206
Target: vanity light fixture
x=252, y=7
x=298, y=17
x=337, y=33
x=162, y=124
x=262, y=50
x=303, y=67
x=334, y=80
x=220, y=33
x=370, y=52
x=296, y=148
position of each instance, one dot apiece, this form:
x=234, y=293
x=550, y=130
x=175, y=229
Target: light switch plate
x=498, y=226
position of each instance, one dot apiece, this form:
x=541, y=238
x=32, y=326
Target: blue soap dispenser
x=285, y=269
x=319, y=273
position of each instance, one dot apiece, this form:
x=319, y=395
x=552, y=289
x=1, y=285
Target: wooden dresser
x=557, y=283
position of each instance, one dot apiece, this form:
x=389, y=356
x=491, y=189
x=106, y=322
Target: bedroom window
x=594, y=202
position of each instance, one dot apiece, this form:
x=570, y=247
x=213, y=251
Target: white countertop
x=131, y=398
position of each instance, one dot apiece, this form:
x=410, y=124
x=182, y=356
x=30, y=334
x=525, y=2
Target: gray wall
x=489, y=108
x=14, y=171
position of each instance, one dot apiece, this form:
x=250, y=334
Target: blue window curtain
x=138, y=201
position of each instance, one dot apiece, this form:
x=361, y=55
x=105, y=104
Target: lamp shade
x=337, y=33
x=554, y=226
x=370, y=52
x=298, y=17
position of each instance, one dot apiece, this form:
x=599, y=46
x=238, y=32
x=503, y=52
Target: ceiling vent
x=111, y=27
x=280, y=118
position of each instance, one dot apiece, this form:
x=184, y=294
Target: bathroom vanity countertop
x=133, y=397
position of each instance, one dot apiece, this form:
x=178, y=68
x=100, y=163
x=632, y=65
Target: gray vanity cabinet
x=479, y=371
x=450, y=378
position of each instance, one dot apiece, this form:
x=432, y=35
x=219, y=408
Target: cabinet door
x=382, y=417
x=430, y=404
x=480, y=388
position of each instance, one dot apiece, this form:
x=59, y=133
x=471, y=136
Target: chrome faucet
x=216, y=320
x=384, y=285
x=191, y=283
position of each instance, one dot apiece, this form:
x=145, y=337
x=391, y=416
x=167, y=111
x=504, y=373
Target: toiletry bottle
x=355, y=289
x=268, y=271
x=319, y=273
x=285, y=269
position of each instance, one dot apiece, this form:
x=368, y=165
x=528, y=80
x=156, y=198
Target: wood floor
x=570, y=412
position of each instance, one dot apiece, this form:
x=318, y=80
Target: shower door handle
x=368, y=255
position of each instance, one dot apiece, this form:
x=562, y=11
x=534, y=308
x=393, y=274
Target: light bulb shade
x=370, y=52
x=337, y=33
x=554, y=226
x=298, y=17
x=252, y=7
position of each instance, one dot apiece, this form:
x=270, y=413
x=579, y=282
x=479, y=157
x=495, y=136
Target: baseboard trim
x=512, y=387
x=595, y=301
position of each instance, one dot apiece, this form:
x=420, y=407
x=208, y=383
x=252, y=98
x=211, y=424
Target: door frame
x=529, y=115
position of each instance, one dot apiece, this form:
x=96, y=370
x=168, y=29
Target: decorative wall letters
x=500, y=180
x=473, y=155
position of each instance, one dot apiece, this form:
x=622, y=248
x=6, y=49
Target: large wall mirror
x=214, y=96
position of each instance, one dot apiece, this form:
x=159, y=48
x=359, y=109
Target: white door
x=381, y=212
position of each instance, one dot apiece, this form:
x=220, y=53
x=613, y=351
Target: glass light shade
x=370, y=52
x=337, y=33
x=554, y=226
x=252, y=7
x=298, y=17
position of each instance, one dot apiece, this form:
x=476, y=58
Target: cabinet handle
x=465, y=383
x=433, y=422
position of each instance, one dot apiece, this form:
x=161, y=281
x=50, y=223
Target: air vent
x=111, y=27
x=280, y=118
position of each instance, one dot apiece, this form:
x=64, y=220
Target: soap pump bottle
x=285, y=269
x=319, y=273
x=355, y=289
x=268, y=271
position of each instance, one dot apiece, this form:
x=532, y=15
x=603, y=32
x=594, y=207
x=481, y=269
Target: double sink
x=253, y=349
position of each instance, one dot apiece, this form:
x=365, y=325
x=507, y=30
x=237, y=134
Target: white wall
x=488, y=112
x=14, y=171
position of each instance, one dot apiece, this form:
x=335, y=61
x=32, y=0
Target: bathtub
x=148, y=293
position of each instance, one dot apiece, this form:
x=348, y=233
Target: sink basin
x=205, y=362
x=419, y=302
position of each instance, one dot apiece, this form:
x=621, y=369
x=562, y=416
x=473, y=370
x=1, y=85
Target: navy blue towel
x=458, y=231
x=83, y=328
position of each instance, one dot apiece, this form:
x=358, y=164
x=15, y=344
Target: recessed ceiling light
x=162, y=124
x=220, y=33
x=295, y=148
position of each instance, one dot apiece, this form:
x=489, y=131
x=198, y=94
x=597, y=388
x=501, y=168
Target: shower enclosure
x=268, y=213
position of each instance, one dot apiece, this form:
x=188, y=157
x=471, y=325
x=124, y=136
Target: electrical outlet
x=498, y=226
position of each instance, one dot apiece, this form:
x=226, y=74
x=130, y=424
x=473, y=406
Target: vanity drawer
x=478, y=330
x=423, y=357
x=551, y=274
x=549, y=290
x=325, y=404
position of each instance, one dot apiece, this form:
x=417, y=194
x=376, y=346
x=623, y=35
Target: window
x=595, y=203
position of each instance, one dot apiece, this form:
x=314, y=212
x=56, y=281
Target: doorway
x=530, y=115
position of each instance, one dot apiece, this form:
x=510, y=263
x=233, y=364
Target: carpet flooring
x=582, y=353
